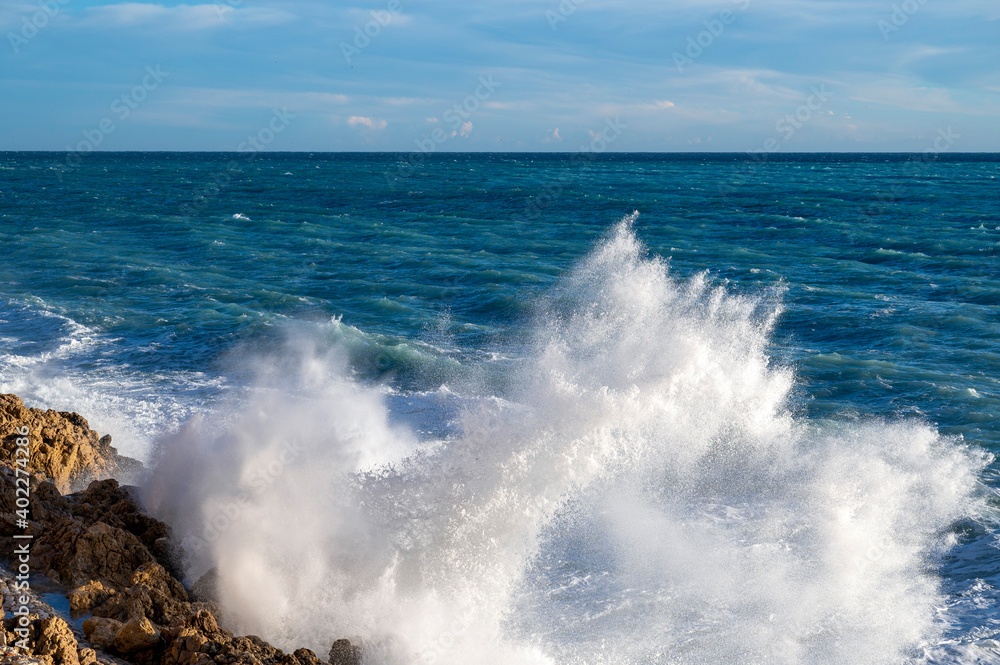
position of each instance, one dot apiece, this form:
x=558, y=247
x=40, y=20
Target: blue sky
x=517, y=75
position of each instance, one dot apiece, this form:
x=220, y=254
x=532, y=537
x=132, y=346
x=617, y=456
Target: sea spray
x=641, y=495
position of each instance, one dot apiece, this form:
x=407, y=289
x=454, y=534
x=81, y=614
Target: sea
x=539, y=408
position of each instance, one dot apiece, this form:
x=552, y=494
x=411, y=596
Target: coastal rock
x=88, y=596
x=156, y=577
x=101, y=631
x=63, y=447
x=56, y=641
x=206, y=589
x=344, y=653
x=105, y=554
x=194, y=640
x=121, y=563
x=143, y=602
x=302, y=657
x=136, y=635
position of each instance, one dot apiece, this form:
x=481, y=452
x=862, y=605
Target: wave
x=642, y=493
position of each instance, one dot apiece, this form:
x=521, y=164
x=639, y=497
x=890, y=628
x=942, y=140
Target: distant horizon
x=775, y=155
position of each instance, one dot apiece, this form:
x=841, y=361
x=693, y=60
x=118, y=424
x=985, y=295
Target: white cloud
x=182, y=17
x=371, y=123
x=465, y=129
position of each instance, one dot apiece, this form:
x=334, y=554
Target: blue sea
x=533, y=408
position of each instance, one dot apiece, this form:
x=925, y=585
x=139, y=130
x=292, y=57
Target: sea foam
x=643, y=493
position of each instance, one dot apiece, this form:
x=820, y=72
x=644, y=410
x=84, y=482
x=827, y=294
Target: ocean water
x=540, y=408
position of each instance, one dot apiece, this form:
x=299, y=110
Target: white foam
x=645, y=497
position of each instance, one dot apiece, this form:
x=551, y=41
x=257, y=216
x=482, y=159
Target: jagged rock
x=63, y=447
x=136, y=635
x=101, y=631
x=304, y=657
x=87, y=656
x=206, y=589
x=56, y=641
x=88, y=596
x=344, y=653
x=143, y=602
x=156, y=577
x=194, y=639
x=105, y=554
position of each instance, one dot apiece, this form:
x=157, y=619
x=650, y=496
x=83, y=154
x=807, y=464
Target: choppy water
x=754, y=424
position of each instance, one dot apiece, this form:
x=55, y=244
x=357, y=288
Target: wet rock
x=206, y=589
x=344, y=653
x=136, y=635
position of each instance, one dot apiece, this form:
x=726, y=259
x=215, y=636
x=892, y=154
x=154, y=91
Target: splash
x=642, y=495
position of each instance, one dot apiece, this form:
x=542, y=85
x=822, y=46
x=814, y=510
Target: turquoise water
x=135, y=287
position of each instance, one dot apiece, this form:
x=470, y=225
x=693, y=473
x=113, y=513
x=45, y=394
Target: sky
x=501, y=75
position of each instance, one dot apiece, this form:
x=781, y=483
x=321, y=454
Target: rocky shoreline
x=119, y=567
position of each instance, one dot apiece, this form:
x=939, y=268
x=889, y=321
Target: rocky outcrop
x=344, y=653
x=119, y=564
x=63, y=447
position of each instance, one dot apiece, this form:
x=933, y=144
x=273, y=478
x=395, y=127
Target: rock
x=344, y=653
x=88, y=596
x=87, y=656
x=136, y=635
x=195, y=640
x=101, y=631
x=105, y=554
x=156, y=577
x=142, y=601
x=56, y=640
x=306, y=657
x=63, y=447
x=206, y=589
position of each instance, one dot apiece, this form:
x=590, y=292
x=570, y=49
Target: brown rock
x=195, y=639
x=105, y=554
x=88, y=596
x=306, y=657
x=56, y=640
x=87, y=656
x=63, y=447
x=101, y=632
x=155, y=576
x=344, y=653
x=136, y=635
